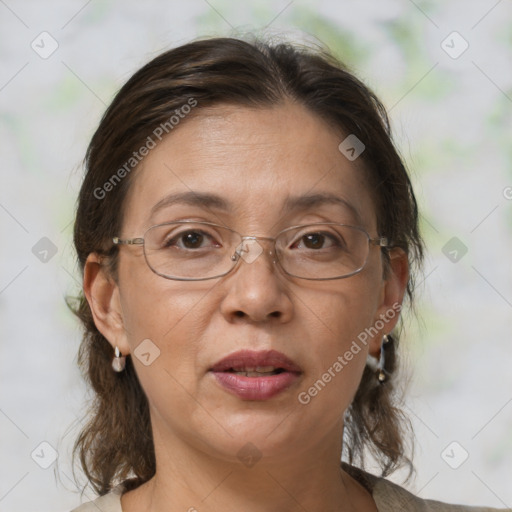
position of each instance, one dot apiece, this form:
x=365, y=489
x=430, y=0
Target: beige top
x=388, y=497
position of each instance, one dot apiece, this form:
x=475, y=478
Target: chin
x=260, y=433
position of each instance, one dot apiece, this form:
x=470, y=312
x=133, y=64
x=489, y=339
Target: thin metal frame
x=382, y=242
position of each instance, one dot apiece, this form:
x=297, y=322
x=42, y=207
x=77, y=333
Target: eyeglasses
x=195, y=251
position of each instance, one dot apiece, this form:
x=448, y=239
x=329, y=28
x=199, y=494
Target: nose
x=256, y=289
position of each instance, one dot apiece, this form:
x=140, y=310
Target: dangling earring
x=119, y=361
x=381, y=367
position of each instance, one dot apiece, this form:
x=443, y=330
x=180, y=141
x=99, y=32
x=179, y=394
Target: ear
x=392, y=294
x=102, y=294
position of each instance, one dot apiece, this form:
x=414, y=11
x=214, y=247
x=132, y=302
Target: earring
x=381, y=367
x=119, y=361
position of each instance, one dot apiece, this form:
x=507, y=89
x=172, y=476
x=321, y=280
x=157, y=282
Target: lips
x=252, y=375
x=248, y=360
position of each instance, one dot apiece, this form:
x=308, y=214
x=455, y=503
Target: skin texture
x=255, y=158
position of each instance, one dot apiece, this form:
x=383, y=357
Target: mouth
x=252, y=375
x=256, y=362
x=258, y=371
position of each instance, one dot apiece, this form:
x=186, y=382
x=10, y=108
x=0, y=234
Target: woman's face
x=255, y=160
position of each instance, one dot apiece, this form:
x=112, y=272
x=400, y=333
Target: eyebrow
x=208, y=200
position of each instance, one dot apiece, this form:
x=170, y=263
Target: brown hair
x=117, y=441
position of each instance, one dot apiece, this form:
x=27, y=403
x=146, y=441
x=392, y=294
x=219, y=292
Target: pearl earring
x=119, y=361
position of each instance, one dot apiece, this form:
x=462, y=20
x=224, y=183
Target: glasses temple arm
x=130, y=241
x=381, y=242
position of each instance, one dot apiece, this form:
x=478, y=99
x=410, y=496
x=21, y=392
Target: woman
x=247, y=234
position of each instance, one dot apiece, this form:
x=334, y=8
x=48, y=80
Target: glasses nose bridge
x=253, y=237
x=249, y=249
x=242, y=246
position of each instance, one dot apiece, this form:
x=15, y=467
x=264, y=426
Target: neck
x=188, y=479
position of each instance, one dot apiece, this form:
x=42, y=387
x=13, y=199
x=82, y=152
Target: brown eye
x=192, y=239
x=318, y=240
x=189, y=240
x=314, y=241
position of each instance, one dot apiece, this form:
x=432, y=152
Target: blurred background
x=443, y=70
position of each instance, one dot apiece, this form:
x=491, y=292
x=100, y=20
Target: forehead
x=257, y=166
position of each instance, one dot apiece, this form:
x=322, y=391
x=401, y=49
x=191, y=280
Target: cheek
x=162, y=318
x=343, y=309
x=339, y=354
x=165, y=327
x=152, y=305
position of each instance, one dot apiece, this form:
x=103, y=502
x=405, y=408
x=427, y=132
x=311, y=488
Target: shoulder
x=390, y=497
x=110, y=502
